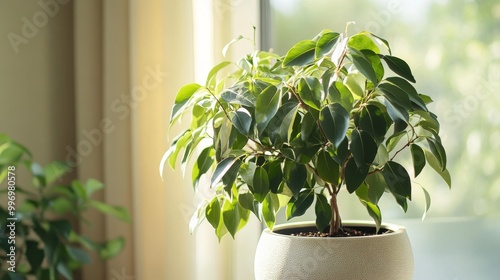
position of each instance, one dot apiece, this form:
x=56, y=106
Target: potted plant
x=336, y=113
x=38, y=237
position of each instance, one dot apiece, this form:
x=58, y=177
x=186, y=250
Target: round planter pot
x=385, y=256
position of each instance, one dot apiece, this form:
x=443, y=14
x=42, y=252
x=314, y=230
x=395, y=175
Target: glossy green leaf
x=375, y=62
x=213, y=212
x=327, y=168
x=235, y=216
x=202, y=165
x=376, y=186
x=300, y=54
x=363, y=148
x=372, y=208
x=434, y=163
x=395, y=95
x=298, y=206
x=334, y=121
x=325, y=43
x=212, y=75
x=399, y=67
x=78, y=254
x=372, y=120
x=222, y=168
x=275, y=176
x=182, y=97
x=267, y=105
x=309, y=90
x=307, y=126
x=408, y=88
x=339, y=93
x=361, y=41
x=64, y=270
x=397, y=179
x=393, y=140
x=427, y=202
x=354, y=175
x=260, y=184
x=296, y=176
x=323, y=212
x=281, y=126
x=242, y=120
x=244, y=98
x=34, y=254
x=418, y=158
x=268, y=211
x=247, y=171
x=438, y=151
x=364, y=66
x=234, y=40
x=172, y=153
x=398, y=114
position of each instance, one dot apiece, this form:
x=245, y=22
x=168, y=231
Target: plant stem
x=335, y=221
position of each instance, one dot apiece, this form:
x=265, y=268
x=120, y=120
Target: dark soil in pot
x=348, y=231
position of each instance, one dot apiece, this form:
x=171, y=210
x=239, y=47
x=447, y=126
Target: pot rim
x=395, y=228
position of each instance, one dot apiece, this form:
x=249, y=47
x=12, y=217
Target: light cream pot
x=385, y=256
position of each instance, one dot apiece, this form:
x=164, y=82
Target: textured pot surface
x=387, y=256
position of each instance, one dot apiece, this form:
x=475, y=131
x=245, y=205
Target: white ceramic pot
x=386, y=256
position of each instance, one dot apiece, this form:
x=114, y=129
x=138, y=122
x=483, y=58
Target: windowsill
x=455, y=248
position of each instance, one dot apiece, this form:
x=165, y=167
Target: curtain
x=130, y=59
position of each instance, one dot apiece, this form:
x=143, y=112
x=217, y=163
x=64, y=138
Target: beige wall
x=36, y=77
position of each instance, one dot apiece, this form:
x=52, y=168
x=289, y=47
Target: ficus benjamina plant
x=268, y=132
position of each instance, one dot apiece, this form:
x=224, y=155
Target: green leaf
x=182, y=97
x=222, y=168
x=55, y=170
x=412, y=93
x=309, y=90
x=375, y=62
x=376, y=186
x=418, y=157
x=120, y=213
x=393, y=140
x=247, y=201
x=339, y=93
x=61, y=205
x=363, y=148
x=34, y=254
x=395, y=95
x=434, y=163
x=362, y=42
x=334, y=121
x=325, y=43
x=112, y=248
x=267, y=105
x=78, y=254
x=64, y=270
x=298, y=207
x=323, y=212
x=212, y=75
x=242, y=120
x=427, y=202
x=213, y=212
x=372, y=120
x=296, y=176
x=177, y=145
x=399, y=67
x=275, y=176
x=91, y=186
x=234, y=40
x=260, y=184
x=247, y=171
x=382, y=42
x=372, y=208
x=327, y=168
x=307, y=126
x=438, y=151
x=268, y=211
x=203, y=163
x=38, y=175
x=234, y=215
x=244, y=98
x=354, y=175
x=300, y=54
x=364, y=66
x=397, y=179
